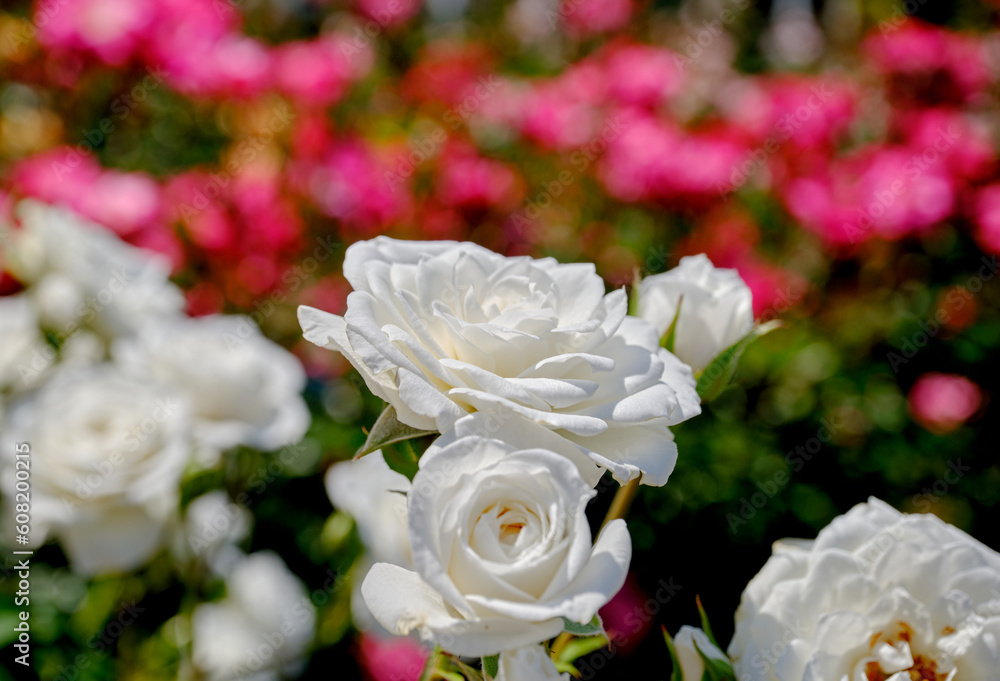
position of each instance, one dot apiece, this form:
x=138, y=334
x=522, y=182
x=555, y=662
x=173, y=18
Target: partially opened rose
x=878, y=596
x=530, y=663
x=502, y=551
x=442, y=329
x=716, y=308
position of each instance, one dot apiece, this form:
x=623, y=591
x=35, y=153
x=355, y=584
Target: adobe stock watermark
x=924, y=500
x=246, y=153
x=695, y=44
x=899, y=15
x=292, y=279
x=786, y=126
x=103, y=641
x=138, y=434
x=122, y=106
x=429, y=145
x=636, y=619
x=930, y=328
x=613, y=128
x=795, y=459
x=885, y=197
x=87, y=312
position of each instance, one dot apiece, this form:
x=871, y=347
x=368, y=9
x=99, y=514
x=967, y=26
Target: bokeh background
x=841, y=155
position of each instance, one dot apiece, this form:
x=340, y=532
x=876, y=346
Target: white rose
x=107, y=453
x=24, y=354
x=717, y=310
x=244, y=388
x=878, y=595
x=84, y=274
x=502, y=551
x=260, y=630
x=375, y=496
x=687, y=643
x=530, y=663
x=441, y=329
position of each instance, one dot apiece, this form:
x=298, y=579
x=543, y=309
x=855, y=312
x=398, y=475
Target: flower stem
x=622, y=502
x=619, y=509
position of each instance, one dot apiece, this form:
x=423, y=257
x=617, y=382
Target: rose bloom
x=260, y=629
x=83, y=275
x=716, y=311
x=501, y=549
x=442, y=329
x=879, y=595
x=243, y=387
x=943, y=402
x=107, y=453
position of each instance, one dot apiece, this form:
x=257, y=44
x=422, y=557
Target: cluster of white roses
x=537, y=382
x=118, y=393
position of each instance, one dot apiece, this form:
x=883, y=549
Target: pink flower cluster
x=199, y=48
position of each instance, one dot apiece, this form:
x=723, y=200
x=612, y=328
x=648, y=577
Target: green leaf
x=705, y=626
x=491, y=666
x=401, y=458
x=579, y=647
x=675, y=675
x=389, y=430
x=715, y=669
x=716, y=376
x=591, y=628
x=668, y=338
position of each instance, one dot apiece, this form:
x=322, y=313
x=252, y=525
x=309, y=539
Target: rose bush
x=501, y=551
x=441, y=329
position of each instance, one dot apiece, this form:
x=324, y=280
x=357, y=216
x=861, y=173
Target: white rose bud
x=717, y=308
x=531, y=663
x=692, y=666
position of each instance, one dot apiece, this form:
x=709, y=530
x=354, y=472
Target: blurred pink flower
x=629, y=616
x=112, y=30
x=969, y=152
x=654, y=159
x=389, y=13
x=794, y=112
x=360, y=186
x=588, y=17
x=565, y=112
x=986, y=218
x=391, y=659
x=315, y=73
x=467, y=180
x=641, y=75
x=929, y=62
x=887, y=192
x=943, y=402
